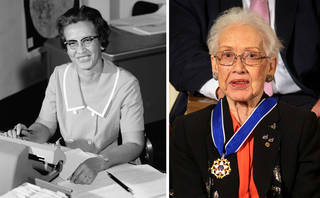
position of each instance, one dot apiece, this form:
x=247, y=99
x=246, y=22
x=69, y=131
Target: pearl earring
x=215, y=75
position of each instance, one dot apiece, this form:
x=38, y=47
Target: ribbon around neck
x=237, y=140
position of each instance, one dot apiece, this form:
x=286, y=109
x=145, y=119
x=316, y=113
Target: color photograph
x=83, y=85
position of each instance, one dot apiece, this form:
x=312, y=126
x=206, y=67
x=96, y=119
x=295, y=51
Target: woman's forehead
x=241, y=36
x=79, y=29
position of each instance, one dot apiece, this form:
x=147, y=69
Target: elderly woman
x=90, y=99
x=247, y=145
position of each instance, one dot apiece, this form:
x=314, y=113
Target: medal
x=221, y=167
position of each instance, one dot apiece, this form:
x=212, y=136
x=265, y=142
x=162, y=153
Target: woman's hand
x=19, y=131
x=35, y=133
x=88, y=170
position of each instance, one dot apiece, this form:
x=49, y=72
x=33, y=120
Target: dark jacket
x=294, y=153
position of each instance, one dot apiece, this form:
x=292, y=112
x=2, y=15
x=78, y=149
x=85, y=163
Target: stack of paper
x=28, y=190
x=144, y=180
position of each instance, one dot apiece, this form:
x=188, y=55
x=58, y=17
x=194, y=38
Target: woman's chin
x=240, y=96
x=85, y=65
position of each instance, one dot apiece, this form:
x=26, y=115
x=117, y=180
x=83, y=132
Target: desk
x=143, y=56
x=144, y=181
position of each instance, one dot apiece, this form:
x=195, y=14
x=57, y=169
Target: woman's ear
x=214, y=64
x=272, y=63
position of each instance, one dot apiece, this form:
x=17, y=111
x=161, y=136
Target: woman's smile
x=84, y=58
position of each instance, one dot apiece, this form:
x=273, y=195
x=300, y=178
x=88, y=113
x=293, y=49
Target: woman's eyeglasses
x=84, y=42
x=250, y=58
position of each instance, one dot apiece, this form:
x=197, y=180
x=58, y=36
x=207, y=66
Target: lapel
x=285, y=12
x=231, y=180
x=105, y=89
x=266, y=150
x=73, y=99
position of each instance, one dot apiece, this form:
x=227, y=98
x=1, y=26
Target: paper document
x=102, y=180
x=74, y=158
x=106, y=191
x=144, y=180
x=28, y=190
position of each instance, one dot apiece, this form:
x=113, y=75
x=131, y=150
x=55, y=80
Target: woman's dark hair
x=85, y=13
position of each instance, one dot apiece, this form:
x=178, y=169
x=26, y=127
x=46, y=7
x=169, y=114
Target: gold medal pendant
x=221, y=168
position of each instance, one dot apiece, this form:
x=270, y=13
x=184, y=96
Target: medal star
x=221, y=168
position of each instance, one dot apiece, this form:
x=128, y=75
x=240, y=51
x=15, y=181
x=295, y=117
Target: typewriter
x=24, y=161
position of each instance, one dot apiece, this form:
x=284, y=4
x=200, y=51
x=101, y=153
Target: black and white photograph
x=83, y=88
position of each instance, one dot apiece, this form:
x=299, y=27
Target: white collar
x=73, y=95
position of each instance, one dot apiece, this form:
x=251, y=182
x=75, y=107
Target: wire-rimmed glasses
x=250, y=58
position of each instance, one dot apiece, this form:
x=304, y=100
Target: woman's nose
x=239, y=65
x=80, y=48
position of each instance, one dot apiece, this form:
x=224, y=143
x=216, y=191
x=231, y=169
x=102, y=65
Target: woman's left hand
x=88, y=170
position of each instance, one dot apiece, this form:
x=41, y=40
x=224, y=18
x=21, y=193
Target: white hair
x=240, y=16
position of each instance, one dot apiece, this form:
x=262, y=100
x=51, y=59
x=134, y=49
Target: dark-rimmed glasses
x=85, y=42
x=250, y=58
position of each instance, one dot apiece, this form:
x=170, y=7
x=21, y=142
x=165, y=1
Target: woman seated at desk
x=249, y=144
x=90, y=98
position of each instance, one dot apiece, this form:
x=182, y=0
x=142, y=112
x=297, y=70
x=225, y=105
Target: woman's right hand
x=35, y=133
x=18, y=131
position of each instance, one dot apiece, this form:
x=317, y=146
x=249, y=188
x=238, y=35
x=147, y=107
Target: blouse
x=92, y=125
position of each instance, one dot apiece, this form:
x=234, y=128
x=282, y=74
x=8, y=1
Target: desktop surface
x=123, y=45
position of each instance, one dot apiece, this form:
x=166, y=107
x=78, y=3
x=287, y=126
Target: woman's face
x=239, y=81
x=85, y=56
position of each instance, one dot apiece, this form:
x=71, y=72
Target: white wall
x=17, y=69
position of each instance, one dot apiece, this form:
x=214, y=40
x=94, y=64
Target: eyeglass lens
x=86, y=42
x=228, y=58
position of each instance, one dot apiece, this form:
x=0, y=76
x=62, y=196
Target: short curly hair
x=85, y=13
x=239, y=16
